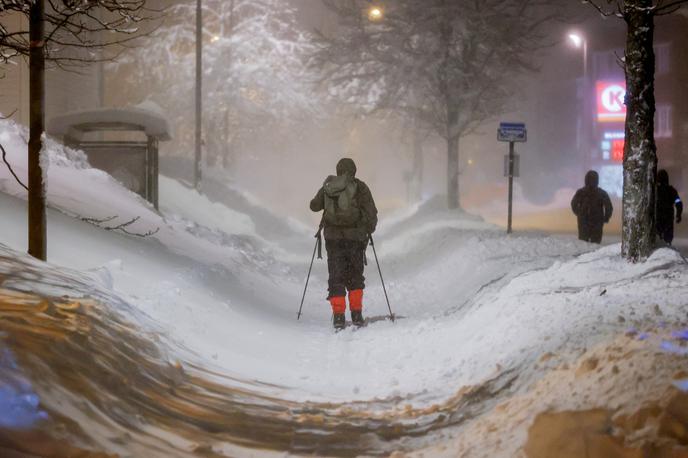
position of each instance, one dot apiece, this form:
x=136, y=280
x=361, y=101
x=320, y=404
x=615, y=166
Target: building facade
x=604, y=118
x=78, y=88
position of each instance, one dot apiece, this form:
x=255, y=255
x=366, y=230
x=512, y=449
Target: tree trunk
x=37, y=158
x=453, y=173
x=640, y=157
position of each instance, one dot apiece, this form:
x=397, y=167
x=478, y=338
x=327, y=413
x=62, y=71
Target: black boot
x=339, y=321
x=357, y=318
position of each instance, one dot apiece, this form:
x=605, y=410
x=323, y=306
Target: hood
x=592, y=179
x=663, y=177
x=346, y=166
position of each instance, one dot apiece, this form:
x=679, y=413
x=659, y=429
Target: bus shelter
x=121, y=141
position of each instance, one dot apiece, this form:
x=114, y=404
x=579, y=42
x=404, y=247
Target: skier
x=593, y=208
x=667, y=199
x=350, y=216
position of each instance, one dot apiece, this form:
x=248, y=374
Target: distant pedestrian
x=593, y=208
x=667, y=200
x=350, y=217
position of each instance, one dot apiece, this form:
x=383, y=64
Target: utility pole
x=226, y=156
x=199, y=96
x=37, y=205
x=511, y=187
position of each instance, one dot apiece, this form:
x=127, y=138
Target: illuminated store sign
x=610, y=101
x=617, y=150
x=612, y=146
x=614, y=135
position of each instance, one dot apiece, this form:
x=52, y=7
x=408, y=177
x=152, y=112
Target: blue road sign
x=512, y=132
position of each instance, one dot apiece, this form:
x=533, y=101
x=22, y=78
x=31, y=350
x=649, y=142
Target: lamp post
x=199, y=99
x=579, y=41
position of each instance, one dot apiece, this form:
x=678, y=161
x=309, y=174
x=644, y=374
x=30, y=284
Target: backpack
x=341, y=207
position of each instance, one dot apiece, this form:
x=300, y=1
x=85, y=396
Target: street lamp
x=376, y=13
x=199, y=96
x=585, y=132
x=578, y=41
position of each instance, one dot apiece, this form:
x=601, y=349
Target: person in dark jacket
x=593, y=208
x=667, y=200
x=349, y=217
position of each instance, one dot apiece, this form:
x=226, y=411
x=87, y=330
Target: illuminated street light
x=579, y=41
x=584, y=135
x=215, y=39
x=375, y=13
x=576, y=40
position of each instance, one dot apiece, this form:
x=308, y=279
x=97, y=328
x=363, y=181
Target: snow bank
x=627, y=384
x=269, y=225
x=73, y=186
x=179, y=200
x=77, y=190
x=14, y=138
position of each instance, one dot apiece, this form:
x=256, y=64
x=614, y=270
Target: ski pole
x=372, y=244
x=318, y=244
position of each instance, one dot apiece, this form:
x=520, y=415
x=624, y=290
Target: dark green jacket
x=367, y=224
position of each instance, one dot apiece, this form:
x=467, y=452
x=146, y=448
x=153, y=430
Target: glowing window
x=663, y=121
x=663, y=58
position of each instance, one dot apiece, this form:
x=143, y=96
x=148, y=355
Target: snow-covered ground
x=222, y=287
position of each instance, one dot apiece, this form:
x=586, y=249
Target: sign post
x=511, y=132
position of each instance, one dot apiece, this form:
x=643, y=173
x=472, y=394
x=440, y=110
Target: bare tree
x=65, y=33
x=640, y=150
x=450, y=65
x=254, y=72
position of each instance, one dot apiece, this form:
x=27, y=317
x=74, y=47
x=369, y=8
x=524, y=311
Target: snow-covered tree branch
x=78, y=32
x=254, y=70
